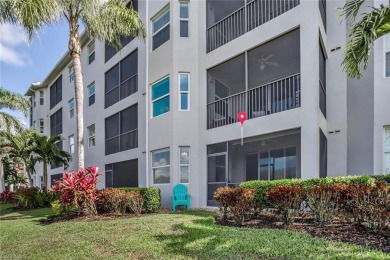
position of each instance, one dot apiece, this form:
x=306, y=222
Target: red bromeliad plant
x=78, y=189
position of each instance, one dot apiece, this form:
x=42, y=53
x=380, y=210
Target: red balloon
x=241, y=117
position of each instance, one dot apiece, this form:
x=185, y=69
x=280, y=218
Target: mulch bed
x=339, y=231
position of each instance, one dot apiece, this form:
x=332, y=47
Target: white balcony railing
x=273, y=97
x=248, y=17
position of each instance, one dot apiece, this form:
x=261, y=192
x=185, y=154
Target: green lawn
x=162, y=236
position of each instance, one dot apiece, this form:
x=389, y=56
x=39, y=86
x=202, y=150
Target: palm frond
x=9, y=123
x=110, y=20
x=14, y=101
x=351, y=8
x=30, y=14
x=362, y=36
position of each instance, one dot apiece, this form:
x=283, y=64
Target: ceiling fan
x=265, y=61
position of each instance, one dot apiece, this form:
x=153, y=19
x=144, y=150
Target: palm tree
x=106, y=20
x=16, y=147
x=371, y=26
x=13, y=102
x=44, y=149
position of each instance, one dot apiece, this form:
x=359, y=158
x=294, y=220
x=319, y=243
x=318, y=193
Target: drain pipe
x=147, y=94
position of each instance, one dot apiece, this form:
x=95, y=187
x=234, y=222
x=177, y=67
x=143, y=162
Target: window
x=387, y=150
x=56, y=92
x=91, y=94
x=322, y=82
x=184, y=164
x=160, y=29
x=56, y=129
x=121, y=80
x=71, y=108
x=34, y=124
x=41, y=98
x=184, y=90
x=91, y=52
x=56, y=123
x=387, y=55
x=34, y=102
x=161, y=166
x=54, y=178
x=323, y=155
x=160, y=97
x=121, y=130
x=41, y=126
x=71, y=73
x=71, y=144
x=122, y=174
x=91, y=135
x=184, y=19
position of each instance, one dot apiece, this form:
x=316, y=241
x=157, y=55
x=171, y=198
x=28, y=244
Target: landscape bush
x=262, y=187
x=119, y=201
x=238, y=201
x=29, y=198
x=324, y=202
x=151, y=197
x=7, y=197
x=371, y=204
x=78, y=190
x=288, y=201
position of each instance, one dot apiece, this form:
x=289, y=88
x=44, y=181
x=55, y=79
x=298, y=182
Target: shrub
x=384, y=178
x=28, y=198
x=324, y=202
x=151, y=197
x=136, y=201
x=112, y=201
x=371, y=203
x=7, y=197
x=262, y=187
x=239, y=201
x=77, y=189
x=288, y=200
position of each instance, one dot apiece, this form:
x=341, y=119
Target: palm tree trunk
x=75, y=51
x=2, y=180
x=44, y=175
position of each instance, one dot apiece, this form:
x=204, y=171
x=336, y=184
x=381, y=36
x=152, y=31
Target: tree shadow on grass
x=13, y=213
x=202, y=239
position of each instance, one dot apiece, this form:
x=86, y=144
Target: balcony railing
x=273, y=97
x=248, y=17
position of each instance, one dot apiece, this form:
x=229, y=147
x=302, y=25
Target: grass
x=190, y=235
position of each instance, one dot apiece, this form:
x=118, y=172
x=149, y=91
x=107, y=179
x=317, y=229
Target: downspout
x=147, y=94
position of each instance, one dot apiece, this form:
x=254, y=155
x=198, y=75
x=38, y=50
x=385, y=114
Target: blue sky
x=22, y=63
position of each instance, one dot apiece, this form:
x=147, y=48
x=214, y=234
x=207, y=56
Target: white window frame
x=386, y=41
x=385, y=129
x=183, y=19
x=159, y=167
x=71, y=108
x=92, y=43
x=185, y=91
x=41, y=98
x=71, y=73
x=41, y=126
x=157, y=99
x=90, y=137
x=89, y=93
x=71, y=144
x=185, y=165
x=158, y=16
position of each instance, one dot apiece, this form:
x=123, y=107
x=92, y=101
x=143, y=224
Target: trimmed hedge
x=151, y=196
x=263, y=186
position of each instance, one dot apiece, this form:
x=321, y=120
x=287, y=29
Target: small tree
x=44, y=149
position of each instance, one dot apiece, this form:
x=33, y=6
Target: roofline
x=65, y=59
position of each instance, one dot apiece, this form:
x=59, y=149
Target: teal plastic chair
x=180, y=197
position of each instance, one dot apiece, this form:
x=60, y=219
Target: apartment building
x=164, y=111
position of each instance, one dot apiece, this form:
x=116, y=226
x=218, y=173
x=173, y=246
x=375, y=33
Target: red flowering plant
x=78, y=189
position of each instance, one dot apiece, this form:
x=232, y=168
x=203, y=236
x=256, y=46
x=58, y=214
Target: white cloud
x=12, y=41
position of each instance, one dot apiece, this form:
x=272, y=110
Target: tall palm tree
x=17, y=148
x=44, y=149
x=106, y=20
x=14, y=102
x=363, y=33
